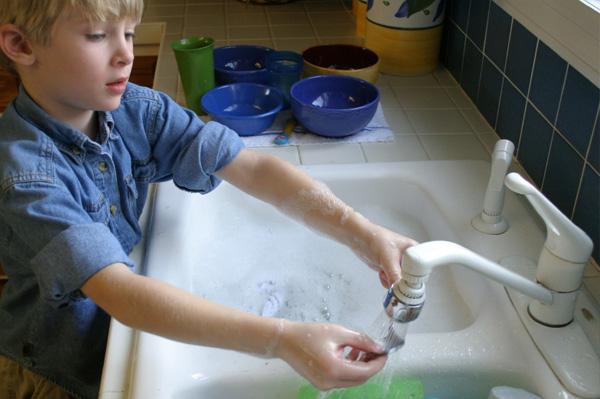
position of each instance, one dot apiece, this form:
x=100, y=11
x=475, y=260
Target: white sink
x=233, y=249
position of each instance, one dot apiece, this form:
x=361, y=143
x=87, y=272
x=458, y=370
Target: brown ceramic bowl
x=341, y=59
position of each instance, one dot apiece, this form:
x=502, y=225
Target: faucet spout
x=418, y=262
x=406, y=297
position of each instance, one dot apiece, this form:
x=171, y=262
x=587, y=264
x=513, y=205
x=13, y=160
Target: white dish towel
x=376, y=130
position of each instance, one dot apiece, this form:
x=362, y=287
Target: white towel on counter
x=376, y=130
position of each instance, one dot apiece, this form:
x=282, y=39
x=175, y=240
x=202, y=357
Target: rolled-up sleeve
x=195, y=167
x=188, y=150
x=73, y=256
x=61, y=242
x=181, y=146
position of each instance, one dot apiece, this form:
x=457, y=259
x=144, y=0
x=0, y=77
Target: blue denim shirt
x=69, y=206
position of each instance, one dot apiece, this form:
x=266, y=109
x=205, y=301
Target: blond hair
x=37, y=17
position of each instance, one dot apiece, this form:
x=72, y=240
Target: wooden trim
x=149, y=41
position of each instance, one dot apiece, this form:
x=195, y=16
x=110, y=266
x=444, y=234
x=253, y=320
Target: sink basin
x=467, y=340
x=276, y=275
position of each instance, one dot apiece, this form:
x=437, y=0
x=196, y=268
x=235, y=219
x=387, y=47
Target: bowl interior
x=241, y=58
x=340, y=56
x=338, y=92
x=242, y=99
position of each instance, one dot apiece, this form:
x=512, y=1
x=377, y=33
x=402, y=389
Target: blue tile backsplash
x=547, y=80
x=533, y=97
x=497, y=39
x=578, y=110
x=520, y=59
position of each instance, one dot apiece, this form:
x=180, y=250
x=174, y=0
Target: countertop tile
x=439, y=121
x=465, y=146
x=423, y=97
x=476, y=121
x=404, y=148
x=398, y=121
x=459, y=97
x=331, y=153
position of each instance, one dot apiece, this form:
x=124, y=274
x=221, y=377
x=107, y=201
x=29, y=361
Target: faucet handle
x=565, y=239
x=566, y=244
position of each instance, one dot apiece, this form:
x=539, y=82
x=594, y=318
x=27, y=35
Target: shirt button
x=113, y=210
x=76, y=151
x=102, y=166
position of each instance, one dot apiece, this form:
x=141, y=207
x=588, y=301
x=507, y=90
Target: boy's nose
x=124, y=54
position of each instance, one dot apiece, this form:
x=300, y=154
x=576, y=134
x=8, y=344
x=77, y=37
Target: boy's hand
x=383, y=252
x=316, y=351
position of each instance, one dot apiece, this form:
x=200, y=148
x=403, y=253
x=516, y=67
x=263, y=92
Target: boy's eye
x=130, y=35
x=95, y=36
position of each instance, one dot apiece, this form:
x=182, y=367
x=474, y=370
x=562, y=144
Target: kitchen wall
x=536, y=99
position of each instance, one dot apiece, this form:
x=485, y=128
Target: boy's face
x=85, y=67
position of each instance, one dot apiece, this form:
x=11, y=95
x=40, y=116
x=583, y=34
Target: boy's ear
x=15, y=45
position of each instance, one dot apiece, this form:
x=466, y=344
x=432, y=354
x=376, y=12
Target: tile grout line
x=487, y=24
x=312, y=24
x=503, y=73
x=526, y=96
x=595, y=131
x=580, y=184
x=553, y=125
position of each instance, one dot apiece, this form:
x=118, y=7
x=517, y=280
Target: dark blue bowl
x=247, y=108
x=334, y=105
x=241, y=63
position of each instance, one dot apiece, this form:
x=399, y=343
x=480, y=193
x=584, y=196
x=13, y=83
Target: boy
x=78, y=148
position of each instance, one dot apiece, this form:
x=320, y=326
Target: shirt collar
x=58, y=130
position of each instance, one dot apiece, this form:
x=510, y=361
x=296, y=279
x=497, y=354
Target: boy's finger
x=353, y=372
x=360, y=342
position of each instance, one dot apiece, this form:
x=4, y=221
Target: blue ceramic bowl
x=241, y=63
x=333, y=105
x=247, y=108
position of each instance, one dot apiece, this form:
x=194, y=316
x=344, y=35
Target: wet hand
x=317, y=352
x=382, y=251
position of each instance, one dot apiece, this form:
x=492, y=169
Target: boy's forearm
x=159, y=308
x=298, y=195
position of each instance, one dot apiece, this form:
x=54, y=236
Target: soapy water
x=287, y=297
x=276, y=267
x=260, y=261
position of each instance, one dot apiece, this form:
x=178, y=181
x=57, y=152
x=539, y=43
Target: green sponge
x=399, y=388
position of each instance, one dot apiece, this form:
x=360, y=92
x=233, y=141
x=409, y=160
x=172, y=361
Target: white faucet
x=490, y=220
x=559, y=270
x=553, y=296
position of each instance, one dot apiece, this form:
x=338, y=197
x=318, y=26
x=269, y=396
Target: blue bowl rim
x=275, y=110
x=333, y=77
x=234, y=46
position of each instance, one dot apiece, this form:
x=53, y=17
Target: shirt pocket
x=132, y=191
x=144, y=172
x=96, y=207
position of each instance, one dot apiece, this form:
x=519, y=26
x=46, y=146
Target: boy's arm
x=159, y=308
x=315, y=351
x=309, y=201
